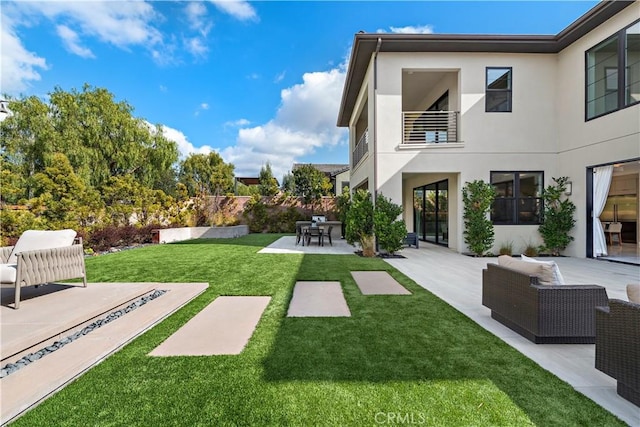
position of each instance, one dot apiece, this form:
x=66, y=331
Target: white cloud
x=196, y=15
x=72, y=42
x=184, y=146
x=420, y=29
x=280, y=77
x=238, y=123
x=196, y=47
x=120, y=23
x=19, y=66
x=305, y=121
x=239, y=9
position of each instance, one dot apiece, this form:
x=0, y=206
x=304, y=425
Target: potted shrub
x=477, y=197
x=359, y=222
x=558, y=218
x=389, y=230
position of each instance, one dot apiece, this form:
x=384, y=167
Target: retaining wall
x=168, y=235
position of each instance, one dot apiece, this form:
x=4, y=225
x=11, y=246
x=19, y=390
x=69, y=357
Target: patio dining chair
x=328, y=234
x=315, y=231
x=298, y=234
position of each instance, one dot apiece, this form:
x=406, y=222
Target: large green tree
x=27, y=136
x=268, y=185
x=206, y=175
x=310, y=184
x=62, y=199
x=100, y=137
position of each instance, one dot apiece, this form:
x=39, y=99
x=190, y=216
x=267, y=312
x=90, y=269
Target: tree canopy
x=100, y=137
x=268, y=185
x=80, y=158
x=206, y=175
x=310, y=184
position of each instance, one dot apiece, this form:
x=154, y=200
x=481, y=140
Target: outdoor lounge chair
x=551, y=314
x=618, y=346
x=40, y=257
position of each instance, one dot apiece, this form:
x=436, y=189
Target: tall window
x=498, y=90
x=613, y=73
x=518, y=197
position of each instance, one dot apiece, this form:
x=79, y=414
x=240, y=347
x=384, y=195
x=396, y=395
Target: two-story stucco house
x=428, y=112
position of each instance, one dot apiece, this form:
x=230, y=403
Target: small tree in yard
x=343, y=202
x=558, y=218
x=389, y=230
x=268, y=184
x=477, y=197
x=310, y=184
x=359, y=222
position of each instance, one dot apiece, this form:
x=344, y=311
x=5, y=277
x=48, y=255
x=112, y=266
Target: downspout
x=375, y=123
x=375, y=127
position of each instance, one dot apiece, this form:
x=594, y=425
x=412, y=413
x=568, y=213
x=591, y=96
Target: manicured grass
x=397, y=360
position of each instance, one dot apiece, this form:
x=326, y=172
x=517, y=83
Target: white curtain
x=601, y=182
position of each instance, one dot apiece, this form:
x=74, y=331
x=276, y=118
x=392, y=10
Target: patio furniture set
x=531, y=299
x=318, y=227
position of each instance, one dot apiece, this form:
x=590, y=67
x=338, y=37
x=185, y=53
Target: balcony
x=362, y=147
x=429, y=127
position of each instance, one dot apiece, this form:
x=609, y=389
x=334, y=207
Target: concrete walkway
x=318, y=299
x=223, y=327
x=457, y=279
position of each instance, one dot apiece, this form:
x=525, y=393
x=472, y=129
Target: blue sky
x=255, y=81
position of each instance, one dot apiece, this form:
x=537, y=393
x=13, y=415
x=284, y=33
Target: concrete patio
x=457, y=279
x=50, y=313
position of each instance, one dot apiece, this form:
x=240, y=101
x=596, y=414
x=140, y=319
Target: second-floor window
x=498, y=90
x=613, y=73
x=518, y=197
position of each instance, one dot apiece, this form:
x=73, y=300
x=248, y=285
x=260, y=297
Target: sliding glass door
x=430, y=212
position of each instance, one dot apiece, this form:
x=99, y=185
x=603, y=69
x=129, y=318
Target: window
x=518, y=197
x=613, y=73
x=498, y=90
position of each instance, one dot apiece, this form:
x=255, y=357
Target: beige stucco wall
x=363, y=171
x=546, y=130
x=522, y=140
x=611, y=138
x=340, y=178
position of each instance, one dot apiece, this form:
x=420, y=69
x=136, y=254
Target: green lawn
x=397, y=360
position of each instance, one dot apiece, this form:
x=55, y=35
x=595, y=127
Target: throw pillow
x=633, y=292
x=543, y=271
x=557, y=276
x=32, y=240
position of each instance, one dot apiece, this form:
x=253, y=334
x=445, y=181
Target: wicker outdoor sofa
x=563, y=314
x=618, y=346
x=61, y=257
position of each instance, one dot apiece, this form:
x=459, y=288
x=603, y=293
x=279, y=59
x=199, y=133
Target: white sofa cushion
x=557, y=276
x=543, y=271
x=8, y=273
x=31, y=240
x=633, y=293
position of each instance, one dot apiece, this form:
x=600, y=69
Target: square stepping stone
x=223, y=327
x=378, y=283
x=318, y=299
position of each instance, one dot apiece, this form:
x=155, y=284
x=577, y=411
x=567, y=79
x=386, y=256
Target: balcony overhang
x=364, y=46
